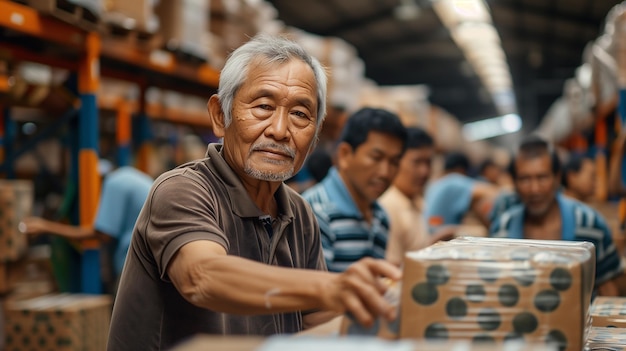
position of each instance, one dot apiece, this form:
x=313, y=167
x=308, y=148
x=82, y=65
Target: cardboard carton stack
x=183, y=26
x=16, y=201
x=61, y=322
x=606, y=339
x=136, y=15
x=609, y=312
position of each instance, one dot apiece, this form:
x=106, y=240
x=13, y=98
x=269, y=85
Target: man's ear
x=214, y=107
x=343, y=155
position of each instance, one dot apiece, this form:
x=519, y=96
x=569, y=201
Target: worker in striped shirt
x=352, y=223
x=545, y=213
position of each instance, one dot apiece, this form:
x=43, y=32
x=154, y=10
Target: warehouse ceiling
x=543, y=41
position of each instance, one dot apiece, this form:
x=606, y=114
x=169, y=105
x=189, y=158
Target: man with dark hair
x=579, y=178
x=403, y=201
x=352, y=223
x=450, y=198
x=489, y=171
x=544, y=213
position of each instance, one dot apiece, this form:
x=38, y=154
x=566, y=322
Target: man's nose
x=279, y=124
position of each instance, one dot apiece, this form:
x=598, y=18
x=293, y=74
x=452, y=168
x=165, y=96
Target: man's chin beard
x=268, y=176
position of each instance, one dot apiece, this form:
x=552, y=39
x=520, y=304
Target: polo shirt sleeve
x=181, y=211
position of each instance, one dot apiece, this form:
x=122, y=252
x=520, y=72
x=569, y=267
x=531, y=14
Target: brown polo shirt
x=205, y=200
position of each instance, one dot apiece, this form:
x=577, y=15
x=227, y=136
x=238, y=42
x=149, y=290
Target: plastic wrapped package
x=381, y=328
x=609, y=312
x=485, y=289
x=606, y=339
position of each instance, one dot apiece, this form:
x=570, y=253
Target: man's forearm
x=235, y=285
x=69, y=231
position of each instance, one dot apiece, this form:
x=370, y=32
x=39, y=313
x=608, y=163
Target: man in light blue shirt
x=122, y=196
x=450, y=198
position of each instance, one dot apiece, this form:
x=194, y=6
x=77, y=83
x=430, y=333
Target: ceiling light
x=492, y=127
x=407, y=10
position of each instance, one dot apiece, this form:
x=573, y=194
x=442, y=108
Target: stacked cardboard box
x=183, y=26
x=606, y=339
x=135, y=15
x=16, y=202
x=609, y=312
x=61, y=322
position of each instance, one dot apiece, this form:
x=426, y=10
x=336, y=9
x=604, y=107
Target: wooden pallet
x=66, y=11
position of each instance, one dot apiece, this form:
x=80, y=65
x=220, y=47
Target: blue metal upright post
x=89, y=179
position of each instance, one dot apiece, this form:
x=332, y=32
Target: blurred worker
x=490, y=172
x=403, y=201
x=122, y=196
x=579, y=178
x=352, y=223
x=450, y=198
x=545, y=213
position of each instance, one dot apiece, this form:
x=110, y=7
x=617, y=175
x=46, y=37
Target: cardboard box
x=484, y=289
x=183, y=24
x=16, y=202
x=362, y=343
x=605, y=339
x=609, y=312
x=135, y=15
x=32, y=275
x=61, y=322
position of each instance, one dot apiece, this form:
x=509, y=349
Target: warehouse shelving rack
x=89, y=56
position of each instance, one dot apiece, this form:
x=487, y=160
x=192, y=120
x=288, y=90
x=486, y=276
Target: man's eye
x=300, y=114
x=265, y=107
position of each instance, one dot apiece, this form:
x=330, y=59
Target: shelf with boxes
x=62, y=34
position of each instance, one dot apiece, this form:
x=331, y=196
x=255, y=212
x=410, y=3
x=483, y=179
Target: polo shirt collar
x=340, y=196
x=240, y=201
x=568, y=221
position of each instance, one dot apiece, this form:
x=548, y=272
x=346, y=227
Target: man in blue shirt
x=544, y=213
x=450, y=198
x=123, y=194
x=352, y=223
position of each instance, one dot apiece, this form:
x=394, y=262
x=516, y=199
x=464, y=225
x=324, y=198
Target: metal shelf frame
x=91, y=56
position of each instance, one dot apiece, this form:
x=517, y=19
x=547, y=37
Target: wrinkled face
x=369, y=170
x=414, y=171
x=584, y=181
x=274, y=120
x=535, y=183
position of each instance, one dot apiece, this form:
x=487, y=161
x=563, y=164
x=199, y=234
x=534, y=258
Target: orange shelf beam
x=27, y=20
x=5, y=83
x=159, y=61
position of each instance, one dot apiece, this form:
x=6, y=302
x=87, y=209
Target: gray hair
x=274, y=49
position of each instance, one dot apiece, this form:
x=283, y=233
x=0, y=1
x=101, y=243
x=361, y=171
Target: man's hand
x=33, y=226
x=360, y=290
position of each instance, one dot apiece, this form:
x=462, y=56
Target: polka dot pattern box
x=484, y=289
x=58, y=322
